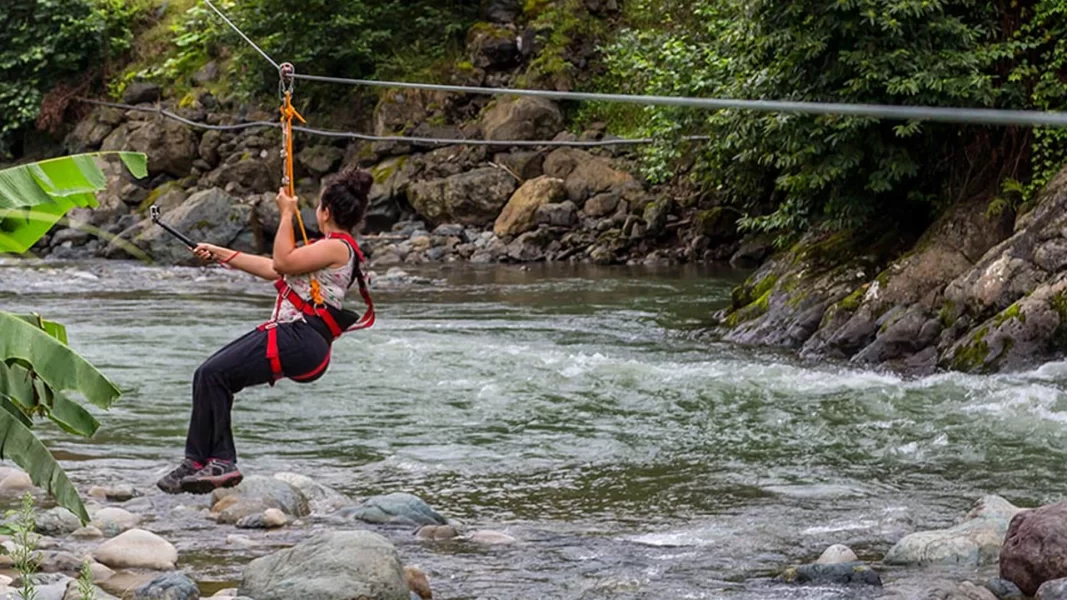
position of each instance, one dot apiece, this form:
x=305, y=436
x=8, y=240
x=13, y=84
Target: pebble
x=113, y=521
x=491, y=538
x=87, y=533
x=837, y=554
x=274, y=517
x=16, y=482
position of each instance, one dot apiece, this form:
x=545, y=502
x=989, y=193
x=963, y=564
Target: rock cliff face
x=977, y=293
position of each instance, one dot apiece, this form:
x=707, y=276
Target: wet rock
x=268, y=519
x=256, y=494
x=171, y=147
x=395, y=509
x=530, y=246
x=837, y=554
x=958, y=591
x=172, y=586
x=474, y=198
x=489, y=537
x=57, y=522
x=113, y=521
x=16, y=482
x=522, y=118
x=520, y=213
x=1035, y=549
x=59, y=561
x=976, y=541
x=135, y=549
x=329, y=566
x=437, y=532
x=655, y=216
x=121, y=492
x=1052, y=590
x=322, y=499
x=837, y=574
x=1003, y=589
x=140, y=92
x=87, y=533
x=418, y=583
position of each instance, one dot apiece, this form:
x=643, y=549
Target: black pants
x=302, y=347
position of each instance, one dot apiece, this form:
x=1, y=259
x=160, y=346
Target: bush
x=45, y=42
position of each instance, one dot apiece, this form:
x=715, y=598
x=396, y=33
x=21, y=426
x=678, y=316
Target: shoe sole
x=169, y=489
x=209, y=484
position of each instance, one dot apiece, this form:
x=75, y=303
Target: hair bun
x=359, y=180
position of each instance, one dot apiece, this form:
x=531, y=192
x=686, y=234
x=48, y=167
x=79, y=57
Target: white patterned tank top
x=333, y=283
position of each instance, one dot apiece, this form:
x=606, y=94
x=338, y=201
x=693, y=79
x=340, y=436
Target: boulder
x=137, y=549
x=320, y=159
x=171, y=147
x=395, y=509
x=1003, y=589
x=321, y=498
x=388, y=194
x=520, y=213
x=91, y=132
x=526, y=165
x=211, y=216
x=1035, y=549
x=473, y=198
x=974, y=542
x=56, y=522
x=249, y=175
x=958, y=591
x=597, y=176
x=492, y=47
x=172, y=586
x=140, y=92
x=112, y=521
x=337, y=565
x=561, y=162
x=1052, y=590
x=522, y=118
x=601, y=205
x=564, y=214
x=256, y=494
x=208, y=150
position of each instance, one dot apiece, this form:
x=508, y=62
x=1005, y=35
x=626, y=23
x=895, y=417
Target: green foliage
x=561, y=25
x=1040, y=49
x=46, y=42
x=35, y=196
x=25, y=555
x=86, y=588
x=792, y=172
x=354, y=39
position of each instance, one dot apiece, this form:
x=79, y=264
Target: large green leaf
x=35, y=196
x=56, y=330
x=18, y=444
x=61, y=368
x=13, y=409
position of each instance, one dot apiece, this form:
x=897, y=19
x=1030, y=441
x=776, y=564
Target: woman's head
x=344, y=199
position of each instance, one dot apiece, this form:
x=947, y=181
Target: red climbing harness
x=338, y=321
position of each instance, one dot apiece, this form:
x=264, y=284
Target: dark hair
x=345, y=194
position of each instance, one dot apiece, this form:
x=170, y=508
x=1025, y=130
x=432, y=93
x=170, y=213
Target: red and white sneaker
x=215, y=474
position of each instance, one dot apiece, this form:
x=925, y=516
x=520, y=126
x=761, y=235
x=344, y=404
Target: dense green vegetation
x=790, y=173
x=785, y=173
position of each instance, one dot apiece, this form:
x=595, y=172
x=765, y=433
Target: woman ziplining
x=296, y=342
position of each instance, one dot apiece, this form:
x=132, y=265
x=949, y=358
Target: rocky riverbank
x=480, y=204
x=978, y=292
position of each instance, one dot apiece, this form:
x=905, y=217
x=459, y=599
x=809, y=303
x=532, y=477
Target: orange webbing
x=288, y=112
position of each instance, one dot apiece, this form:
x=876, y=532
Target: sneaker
x=171, y=483
x=215, y=474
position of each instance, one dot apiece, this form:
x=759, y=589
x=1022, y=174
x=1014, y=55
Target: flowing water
x=583, y=411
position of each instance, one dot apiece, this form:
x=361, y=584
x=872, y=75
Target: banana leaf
x=56, y=330
x=19, y=445
x=35, y=196
x=59, y=367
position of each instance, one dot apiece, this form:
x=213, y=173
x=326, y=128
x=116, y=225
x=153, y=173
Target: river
x=584, y=411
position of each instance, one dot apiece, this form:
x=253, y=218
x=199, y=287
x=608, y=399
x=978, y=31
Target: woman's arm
x=260, y=266
x=290, y=260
